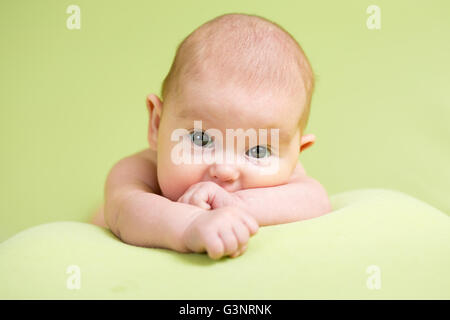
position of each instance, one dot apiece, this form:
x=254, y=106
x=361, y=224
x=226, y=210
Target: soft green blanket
x=376, y=244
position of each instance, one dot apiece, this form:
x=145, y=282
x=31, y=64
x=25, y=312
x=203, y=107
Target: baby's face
x=241, y=165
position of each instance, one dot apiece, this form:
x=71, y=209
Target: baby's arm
x=138, y=216
x=300, y=199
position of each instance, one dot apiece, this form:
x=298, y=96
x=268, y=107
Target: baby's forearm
x=285, y=203
x=149, y=220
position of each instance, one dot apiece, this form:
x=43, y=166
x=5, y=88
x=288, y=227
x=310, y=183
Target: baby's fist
x=208, y=195
x=220, y=232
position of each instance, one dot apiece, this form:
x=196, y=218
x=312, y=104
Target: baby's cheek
x=266, y=177
x=174, y=180
x=261, y=181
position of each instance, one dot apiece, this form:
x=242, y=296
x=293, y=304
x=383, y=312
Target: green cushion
x=329, y=257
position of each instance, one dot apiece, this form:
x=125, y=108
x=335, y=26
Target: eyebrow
x=186, y=113
x=192, y=108
x=283, y=135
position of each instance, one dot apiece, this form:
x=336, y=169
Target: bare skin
x=194, y=227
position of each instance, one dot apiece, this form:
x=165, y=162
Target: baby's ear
x=307, y=141
x=154, y=107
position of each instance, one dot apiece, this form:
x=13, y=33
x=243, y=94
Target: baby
x=236, y=73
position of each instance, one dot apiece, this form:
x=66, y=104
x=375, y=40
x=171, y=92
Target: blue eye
x=200, y=138
x=258, y=152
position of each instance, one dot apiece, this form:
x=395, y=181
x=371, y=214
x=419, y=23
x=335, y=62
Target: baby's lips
x=230, y=187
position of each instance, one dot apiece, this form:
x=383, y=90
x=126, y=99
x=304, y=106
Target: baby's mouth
x=230, y=187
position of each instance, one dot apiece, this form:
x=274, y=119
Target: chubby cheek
x=174, y=180
x=257, y=178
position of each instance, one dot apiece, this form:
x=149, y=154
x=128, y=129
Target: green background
x=72, y=102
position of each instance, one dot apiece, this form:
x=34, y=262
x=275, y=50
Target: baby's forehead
x=230, y=107
x=253, y=54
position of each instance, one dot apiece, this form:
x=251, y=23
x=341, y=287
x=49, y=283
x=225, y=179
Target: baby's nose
x=224, y=172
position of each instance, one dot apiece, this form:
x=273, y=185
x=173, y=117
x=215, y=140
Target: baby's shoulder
x=299, y=173
x=148, y=154
x=146, y=168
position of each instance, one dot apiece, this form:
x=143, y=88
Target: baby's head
x=234, y=72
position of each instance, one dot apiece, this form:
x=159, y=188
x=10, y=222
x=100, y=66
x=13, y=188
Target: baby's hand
x=221, y=232
x=208, y=195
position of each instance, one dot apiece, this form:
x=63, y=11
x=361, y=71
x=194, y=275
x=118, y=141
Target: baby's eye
x=258, y=152
x=201, y=138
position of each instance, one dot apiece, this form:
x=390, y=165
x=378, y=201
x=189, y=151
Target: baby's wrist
x=238, y=201
x=243, y=200
x=185, y=233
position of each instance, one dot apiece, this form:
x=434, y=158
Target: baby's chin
x=171, y=193
x=172, y=188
